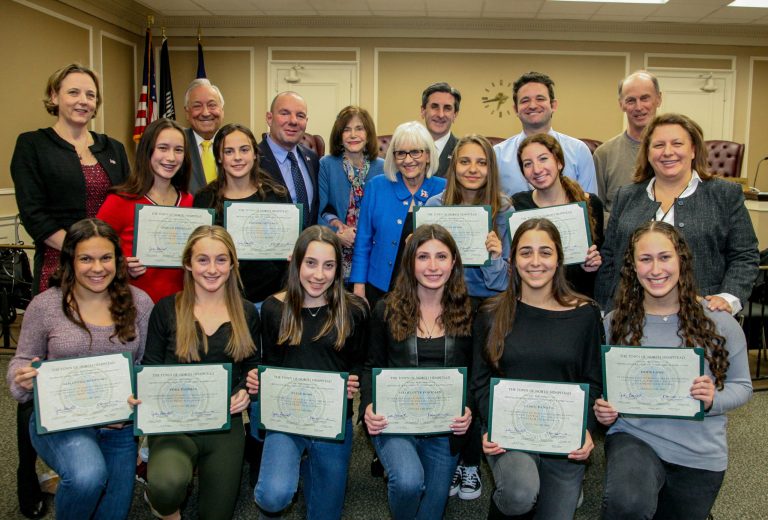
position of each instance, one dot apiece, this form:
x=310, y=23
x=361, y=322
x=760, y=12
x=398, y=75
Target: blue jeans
x=96, y=467
x=639, y=485
x=527, y=480
x=419, y=471
x=324, y=472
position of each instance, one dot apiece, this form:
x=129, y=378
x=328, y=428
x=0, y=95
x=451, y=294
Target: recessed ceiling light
x=748, y=3
x=616, y=1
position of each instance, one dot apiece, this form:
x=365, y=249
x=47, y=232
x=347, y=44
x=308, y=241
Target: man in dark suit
x=439, y=107
x=204, y=106
x=284, y=159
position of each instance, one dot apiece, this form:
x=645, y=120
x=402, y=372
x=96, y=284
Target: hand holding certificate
x=182, y=398
x=312, y=403
x=161, y=232
x=571, y=221
x=652, y=381
x=468, y=225
x=263, y=231
x=85, y=391
x=538, y=416
x=419, y=401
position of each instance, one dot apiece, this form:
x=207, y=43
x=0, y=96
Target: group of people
x=363, y=289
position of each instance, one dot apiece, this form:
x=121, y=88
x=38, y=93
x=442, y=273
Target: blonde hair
x=188, y=339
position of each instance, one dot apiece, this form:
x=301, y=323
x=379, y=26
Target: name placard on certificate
x=419, y=401
x=538, y=416
x=468, y=225
x=84, y=391
x=312, y=403
x=572, y=222
x=161, y=232
x=263, y=231
x=653, y=381
x=182, y=398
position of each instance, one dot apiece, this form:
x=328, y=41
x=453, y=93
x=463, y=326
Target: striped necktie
x=301, y=188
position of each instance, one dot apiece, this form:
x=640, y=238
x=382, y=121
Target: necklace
x=313, y=314
x=428, y=330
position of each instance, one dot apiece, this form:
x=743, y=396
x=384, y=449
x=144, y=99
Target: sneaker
x=456, y=482
x=470, y=487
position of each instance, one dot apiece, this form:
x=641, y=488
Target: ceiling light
x=749, y=3
x=616, y=1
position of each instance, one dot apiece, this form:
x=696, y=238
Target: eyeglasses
x=400, y=154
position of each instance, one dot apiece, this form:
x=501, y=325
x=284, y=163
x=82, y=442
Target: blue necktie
x=300, y=187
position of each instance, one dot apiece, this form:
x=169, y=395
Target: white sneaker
x=471, y=487
x=456, y=482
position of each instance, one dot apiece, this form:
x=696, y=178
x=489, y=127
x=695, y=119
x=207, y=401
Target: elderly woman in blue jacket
x=386, y=215
x=343, y=174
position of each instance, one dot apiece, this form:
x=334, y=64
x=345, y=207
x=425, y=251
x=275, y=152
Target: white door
x=327, y=88
x=708, y=102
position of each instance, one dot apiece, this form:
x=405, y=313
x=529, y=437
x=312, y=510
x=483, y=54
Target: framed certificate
x=263, y=231
x=572, y=222
x=419, y=401
x=83, y=391
x=161, y=232
x=468, y=225
x=653, y=381
x=538, y=416
x=312, y=403
x=182, y=398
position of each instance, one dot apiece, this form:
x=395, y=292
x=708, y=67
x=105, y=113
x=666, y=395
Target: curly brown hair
x=403, y=308
x=502, y=307
x=121, y=307
x=695, y=328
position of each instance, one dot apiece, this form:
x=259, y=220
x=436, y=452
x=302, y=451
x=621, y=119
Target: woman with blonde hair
x=207, y=322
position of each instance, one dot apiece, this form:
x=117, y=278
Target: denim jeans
x=527, y=480
x=324, y=472
x=638, y=484
x=419, y=471
x=96, y=467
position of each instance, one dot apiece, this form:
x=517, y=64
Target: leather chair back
x=724, y=158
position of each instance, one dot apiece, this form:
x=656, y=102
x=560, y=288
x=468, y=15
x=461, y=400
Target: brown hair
x=189, y=340
x=402, y=310
x=502, y=307
x=121, y=307
x=644, y=169
x=340, y=302
x=259, y=179
x=54, y=84
x=490, y=194
x=695, y=328
x=573, y=190
x=142, y=177
x=371, y=150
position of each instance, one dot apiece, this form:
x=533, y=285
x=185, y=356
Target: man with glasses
x=439, y=108
x=533, y=94
x=204, y=107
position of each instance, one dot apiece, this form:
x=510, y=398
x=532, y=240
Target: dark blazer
x=715, y=224
x=49, y=181
x=445, y=157
x=197, y=180
x=268, y=163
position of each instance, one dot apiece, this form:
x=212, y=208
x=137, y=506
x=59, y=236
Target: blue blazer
x=335, y=186
x=382, y=215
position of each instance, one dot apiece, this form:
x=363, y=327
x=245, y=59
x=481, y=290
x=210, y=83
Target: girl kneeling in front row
x=658, y=467
x=313, y=325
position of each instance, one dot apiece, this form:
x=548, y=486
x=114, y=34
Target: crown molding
x=131, y=15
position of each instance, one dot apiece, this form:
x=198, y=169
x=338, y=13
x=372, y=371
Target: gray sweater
x=48, y=334
x=693, y=444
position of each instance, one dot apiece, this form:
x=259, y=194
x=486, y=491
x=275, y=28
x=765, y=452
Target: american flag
x=147, y=111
